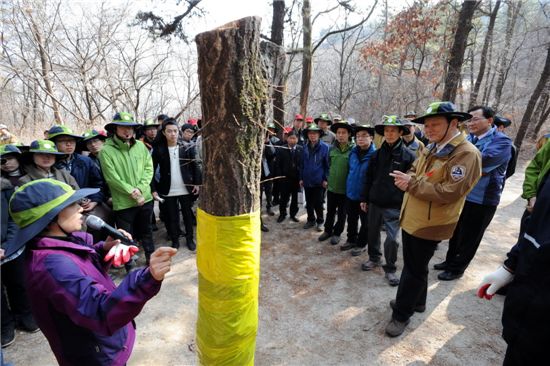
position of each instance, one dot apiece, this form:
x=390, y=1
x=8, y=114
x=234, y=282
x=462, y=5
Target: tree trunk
x=483, y=58
x=306, y=56
x=513, y=12
x=456, y=57
x=542, y=111
x=233, y=91
x=522, y=130
x=279, y=58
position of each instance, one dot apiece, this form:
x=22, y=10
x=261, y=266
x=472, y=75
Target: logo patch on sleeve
x=458, y=172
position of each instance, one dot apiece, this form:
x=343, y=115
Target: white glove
x=493, y=281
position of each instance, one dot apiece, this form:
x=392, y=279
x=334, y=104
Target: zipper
x=430, y=211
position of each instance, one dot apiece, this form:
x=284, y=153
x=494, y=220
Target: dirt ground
x=318, y=308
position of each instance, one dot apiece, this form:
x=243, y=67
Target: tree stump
x=234, y=93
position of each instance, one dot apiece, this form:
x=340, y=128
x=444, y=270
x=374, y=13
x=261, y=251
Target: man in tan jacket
x=436, y=187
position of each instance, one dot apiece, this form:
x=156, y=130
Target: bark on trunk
x=306, y=56
x=278, y=62
x=233, y=96
x=545, y=75
x=456, y=57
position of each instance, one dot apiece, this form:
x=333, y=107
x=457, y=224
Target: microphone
x=96, y=223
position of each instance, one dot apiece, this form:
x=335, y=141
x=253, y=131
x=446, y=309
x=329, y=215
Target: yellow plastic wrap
x=228, y=262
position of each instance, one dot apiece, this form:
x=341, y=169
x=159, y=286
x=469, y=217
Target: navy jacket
x=496, y=151
x=357, y=176
x=315, y=164
x=288, y=165
x=86, y=173
x=190, y=168
x=380, y=188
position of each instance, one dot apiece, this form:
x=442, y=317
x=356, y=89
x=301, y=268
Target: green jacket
x=338, y=167
x=535, y=171
x=126, y=167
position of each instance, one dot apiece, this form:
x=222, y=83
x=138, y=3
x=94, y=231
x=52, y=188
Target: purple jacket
x=86, y=318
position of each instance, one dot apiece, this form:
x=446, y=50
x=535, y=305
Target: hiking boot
x=319, y=227
x=293, y=218
x=264, y=228
x=392, y=278
x=347, y=246
x=357, y=251
x=417, y=308
x=8, y=336
x=395, y=328
x=441, y=266
x=335, y=239
x=270, y=212
x=449, y=276
x=191, y=244
x=369, y=265
x=26, y=323
x=309, y=224
x=324, y=236
x=176, y=244
x=281, y=219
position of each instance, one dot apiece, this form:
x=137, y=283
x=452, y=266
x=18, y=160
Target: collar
x=448, y=147
x=76, y=242
x=440, y=147
x=490, y=132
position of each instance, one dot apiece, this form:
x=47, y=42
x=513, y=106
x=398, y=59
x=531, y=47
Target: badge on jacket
x=458, y=172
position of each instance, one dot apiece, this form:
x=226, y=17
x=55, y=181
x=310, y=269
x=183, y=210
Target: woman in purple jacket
x=86, y=318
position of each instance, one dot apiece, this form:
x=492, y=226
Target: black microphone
x=96, y=223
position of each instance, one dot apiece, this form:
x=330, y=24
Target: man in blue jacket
x=481, y=203
x=314, y=175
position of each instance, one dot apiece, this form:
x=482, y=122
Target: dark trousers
x=468, y=233
x=172, y=206
x=288, y=192
x=15, y=303
x=314, y=205
x=413, y=286
x=354, y=215
x=267, y=189
x=336, y=204
x=276, y=192
x=137, y=221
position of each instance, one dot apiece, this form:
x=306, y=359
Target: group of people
x=442, y=181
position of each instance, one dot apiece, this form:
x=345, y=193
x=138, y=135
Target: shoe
x=392, y=278
x=26, y=323
x=309, y=224
x=275, y=202
x=8, y=336
x=347, y=246
x=264, y=228
x=281, y=219
x=293, y=218
x=357, y=251
x=191, y=244
x=395, y=328
x=154, y=227
x=319, y=227
x=176, y=244
x=324, y=236
x=270, y=212
x=335, y=239
x=417, y=308
x=440, y=266
x=449, y=276
x=369, y=265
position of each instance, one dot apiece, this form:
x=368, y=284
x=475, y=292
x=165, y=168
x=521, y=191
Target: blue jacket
x=86, y=173
x=357, y=176
x=314, y=169
x=495, y=148
x=86, y=318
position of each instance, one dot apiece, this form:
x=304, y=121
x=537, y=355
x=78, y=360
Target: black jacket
x=288, y=164
x=380, y=188
x=189, y=165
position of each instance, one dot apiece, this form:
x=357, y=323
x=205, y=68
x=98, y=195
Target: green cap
x=122, y=119
x=44, y=147
x=9, y=149
x=390, y=121
x=446, y=109
x=57, y=131
x=323, y=117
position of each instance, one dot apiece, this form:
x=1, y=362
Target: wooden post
x=234, y=92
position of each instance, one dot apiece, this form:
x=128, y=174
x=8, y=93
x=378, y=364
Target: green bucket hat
x=149, y=123
x=57, y=131
x=93, y=134
x=324, y=117
x=312, y=127
x=44, y=147
x=35, y=204
x=446, y=109
x=9, y=149
x=364, y=127
x=390, y=121
x=272, y=125
x=341, y=124
x=121, y=119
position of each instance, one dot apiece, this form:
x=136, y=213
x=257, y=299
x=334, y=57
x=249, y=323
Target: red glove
x=493, y=281
x=121, y=254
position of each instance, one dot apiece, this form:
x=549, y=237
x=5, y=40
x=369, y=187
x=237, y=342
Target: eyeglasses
x=475, y=119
